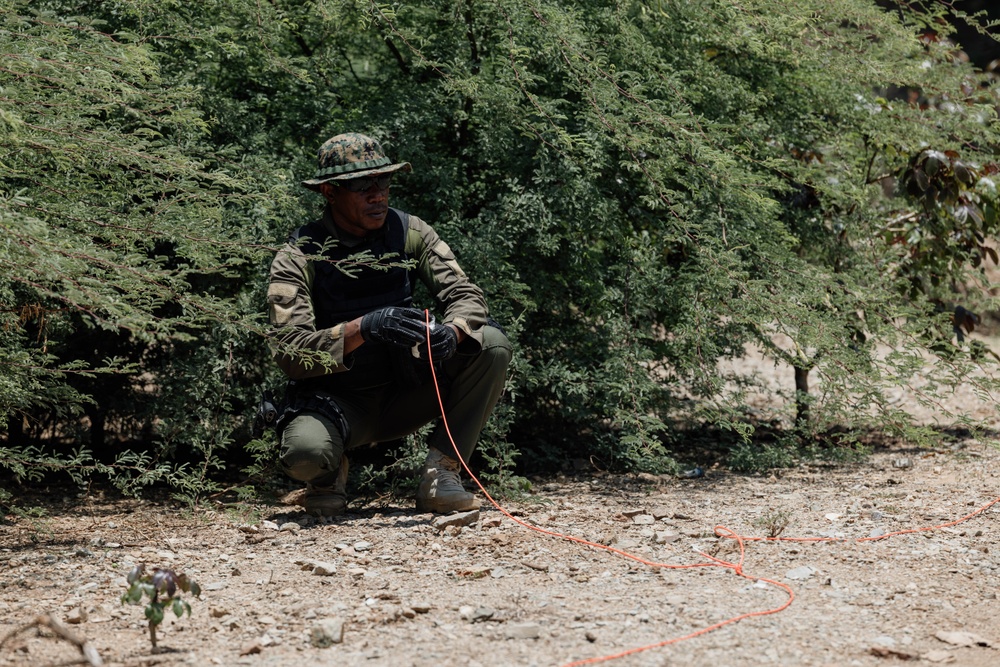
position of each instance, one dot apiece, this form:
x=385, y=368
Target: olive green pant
x=312, y=445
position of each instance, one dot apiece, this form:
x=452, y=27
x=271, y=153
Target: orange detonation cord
x=720, y=531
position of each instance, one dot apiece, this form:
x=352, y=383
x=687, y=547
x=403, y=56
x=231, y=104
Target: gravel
x=388, y=586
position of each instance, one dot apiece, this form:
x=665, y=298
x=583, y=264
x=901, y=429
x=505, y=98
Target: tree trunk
x=801, y=396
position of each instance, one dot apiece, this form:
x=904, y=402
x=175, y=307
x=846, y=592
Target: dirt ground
x=388, y=586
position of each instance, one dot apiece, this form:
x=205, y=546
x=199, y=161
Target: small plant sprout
x=163, y=588
x=774, y=522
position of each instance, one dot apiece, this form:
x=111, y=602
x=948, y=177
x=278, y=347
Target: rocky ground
x=387, y=586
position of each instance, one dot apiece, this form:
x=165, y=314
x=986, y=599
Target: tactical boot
x=328, y=500
x=440, y=489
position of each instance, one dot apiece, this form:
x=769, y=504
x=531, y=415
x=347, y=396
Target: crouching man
x=325, y=296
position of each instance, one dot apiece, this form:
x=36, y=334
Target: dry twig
x=89, y=653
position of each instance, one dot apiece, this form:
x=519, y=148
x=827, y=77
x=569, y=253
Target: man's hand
x=444, y=343
x=403, y=327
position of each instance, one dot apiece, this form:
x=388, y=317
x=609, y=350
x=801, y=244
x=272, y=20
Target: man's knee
x=496, y=348
x=311, y=446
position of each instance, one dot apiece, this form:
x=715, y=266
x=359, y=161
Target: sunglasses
x=365, y=183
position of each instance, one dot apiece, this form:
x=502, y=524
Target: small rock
x=230, y=622
x=643, y=519
x=289, y=527
x=326, y=633
x=482, y=614
x=76, y=616
x=252, y=648
x=960, y=638
x=887, y=652
x=938, y=656
x=317, y=567
x=363, y=546
x=457, y=519
x=800, y=573
x=523, y=631
x=535, y=565
x=661, y=512
x=665, y=537
x=324, y=569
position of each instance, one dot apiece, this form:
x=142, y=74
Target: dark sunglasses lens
x=365, y=184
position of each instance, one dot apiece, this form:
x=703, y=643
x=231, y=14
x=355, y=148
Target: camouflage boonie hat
x=351, y=155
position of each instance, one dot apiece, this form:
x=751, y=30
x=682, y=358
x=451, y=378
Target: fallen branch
x=89, y=653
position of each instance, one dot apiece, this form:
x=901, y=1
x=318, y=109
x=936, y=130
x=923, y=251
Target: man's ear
x=326, y=189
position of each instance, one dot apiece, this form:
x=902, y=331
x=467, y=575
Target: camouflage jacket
x=293, y=323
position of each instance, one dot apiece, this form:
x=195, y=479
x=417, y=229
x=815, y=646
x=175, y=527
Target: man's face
x=358, y=213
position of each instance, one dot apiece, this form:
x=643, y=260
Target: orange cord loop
x=720, y=531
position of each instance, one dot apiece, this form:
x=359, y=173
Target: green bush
x=642, y=190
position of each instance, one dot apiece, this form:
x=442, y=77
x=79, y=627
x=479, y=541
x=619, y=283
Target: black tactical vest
x=339, y=297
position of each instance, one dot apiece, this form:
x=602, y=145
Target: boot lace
x=447, y=474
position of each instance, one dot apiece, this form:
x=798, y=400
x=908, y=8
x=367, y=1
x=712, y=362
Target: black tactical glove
x=394, y=326
x=444, y=343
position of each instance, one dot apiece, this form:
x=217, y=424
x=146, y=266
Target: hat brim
x=314, y=183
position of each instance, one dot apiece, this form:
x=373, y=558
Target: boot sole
x=445, y=508
x=322, y=512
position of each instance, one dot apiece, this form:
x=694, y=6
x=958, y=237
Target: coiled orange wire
x=720, y=531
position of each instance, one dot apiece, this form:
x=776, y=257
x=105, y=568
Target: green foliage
x=129, y=243
x=643, y=189
x=748, y=457
x=163, y=588
x=30, y=516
